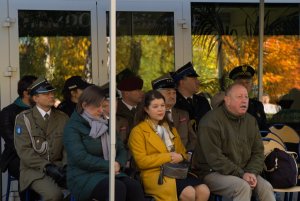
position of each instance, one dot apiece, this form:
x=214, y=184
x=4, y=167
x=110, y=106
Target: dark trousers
x=126, y=189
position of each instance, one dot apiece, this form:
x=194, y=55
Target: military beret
x=127, y=80
x=41, y=85
x=124, y=74
x=163, y=82
x=242, y=72
x=186, y=70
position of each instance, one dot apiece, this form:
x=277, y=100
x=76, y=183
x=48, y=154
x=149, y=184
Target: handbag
x=173, y=170
x=281, y=168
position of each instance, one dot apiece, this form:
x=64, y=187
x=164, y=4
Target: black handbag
x=173, y=170
x=281, y=168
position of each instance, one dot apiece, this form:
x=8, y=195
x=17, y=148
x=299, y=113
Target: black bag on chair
x=281, y=168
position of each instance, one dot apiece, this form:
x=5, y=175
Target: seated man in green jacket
x=229, y=156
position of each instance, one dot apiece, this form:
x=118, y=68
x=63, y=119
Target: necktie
x=190, y=100
x=169, y=115
x=133, y=110
x=46, y=117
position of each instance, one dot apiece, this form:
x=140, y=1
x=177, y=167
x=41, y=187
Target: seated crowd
x=52, y=149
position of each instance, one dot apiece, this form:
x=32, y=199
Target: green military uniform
x=38, y=142
x=32, y=162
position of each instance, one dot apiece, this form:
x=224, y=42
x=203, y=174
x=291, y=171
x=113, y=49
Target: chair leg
x=8, y=187
x=72, y=198
x=286, y=196
x=218, y=198
x=291, y=196
x=27, y=194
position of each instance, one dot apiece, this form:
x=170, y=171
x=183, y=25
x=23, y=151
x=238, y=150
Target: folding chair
x=286, y=133
x=289, y=136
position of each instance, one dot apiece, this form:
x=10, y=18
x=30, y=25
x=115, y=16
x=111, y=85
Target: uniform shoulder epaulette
x=24, y=112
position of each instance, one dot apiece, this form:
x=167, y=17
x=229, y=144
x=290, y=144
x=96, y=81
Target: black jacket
x=7, y=123
x=67, y=107
x=196, y=110
x=256, y=109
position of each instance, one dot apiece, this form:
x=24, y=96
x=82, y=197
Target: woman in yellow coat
x=154, y=142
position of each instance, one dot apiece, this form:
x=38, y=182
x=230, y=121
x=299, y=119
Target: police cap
x=40, y=86
x=163, y=82
x=185, y=71
x=75, y=82
x=242, y=72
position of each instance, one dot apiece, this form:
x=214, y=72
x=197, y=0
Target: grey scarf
x=99, y=128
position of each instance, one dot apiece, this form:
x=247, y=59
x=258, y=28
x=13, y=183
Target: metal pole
x=112, y=94
x=261, y=48
x=1, y=171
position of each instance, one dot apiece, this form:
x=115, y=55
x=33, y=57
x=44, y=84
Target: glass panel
x=226, y=35
x=145, y=43
x=55, y=44
x=223, y=36
x=281, y=50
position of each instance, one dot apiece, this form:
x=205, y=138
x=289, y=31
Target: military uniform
x=180, y=118
x=126, y=81
x=184, y=128
x=32, y=162
x=122, y=129
x=38, y=142
x=125, y=121
x=196, y=105
x=197, y=109
x=256, y=109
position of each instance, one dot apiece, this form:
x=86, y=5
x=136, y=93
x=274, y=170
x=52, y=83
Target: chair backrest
x=274, y=137
x=286, y=133
x=270, y=144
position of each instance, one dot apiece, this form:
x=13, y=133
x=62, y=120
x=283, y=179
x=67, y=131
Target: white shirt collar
x=128, y=106
x=188, y=97
x=43, y=112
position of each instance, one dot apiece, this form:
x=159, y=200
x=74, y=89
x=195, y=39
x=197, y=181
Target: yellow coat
x=149, y=153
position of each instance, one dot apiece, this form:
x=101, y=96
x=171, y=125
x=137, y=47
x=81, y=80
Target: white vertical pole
x=261, y=48
x=112, y=94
